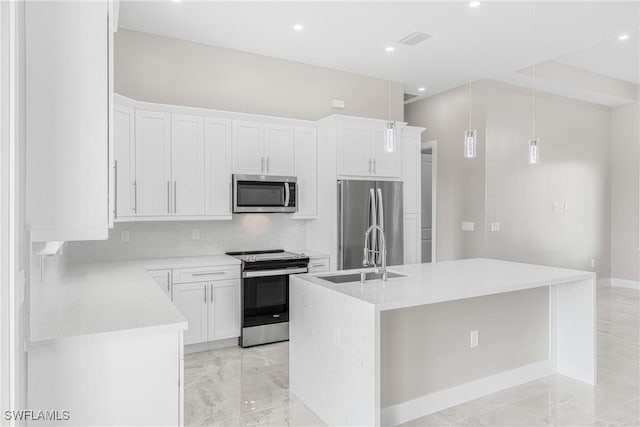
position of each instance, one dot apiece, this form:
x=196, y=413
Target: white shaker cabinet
x=385, y=164
x=306, y=164
x=67, y=120
x=279, y=149
x=263, y=149
x=217, y=170
x=191, y=299
x=163, y=279
x=187, y=165
x=224, y=309
x=124, y=153
x=153, y=163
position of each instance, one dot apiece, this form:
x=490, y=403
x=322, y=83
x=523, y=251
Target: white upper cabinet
x=187, y=165
x=279, y=149
x=248, y=151
x=361, y=151
x=410, y=141
x=263, y=149
x=67, y=120
x=306, y=163
x=124, y=152
x=153, y=163
x=217, y=170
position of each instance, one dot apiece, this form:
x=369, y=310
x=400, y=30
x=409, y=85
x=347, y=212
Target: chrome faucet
x=382, y=252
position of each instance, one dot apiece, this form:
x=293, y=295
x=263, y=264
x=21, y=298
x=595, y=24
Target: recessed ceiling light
x=474, y=4
x=623, y=36
x=421, y=89
x=176, y=1
x=389, y=48
x=298, y=27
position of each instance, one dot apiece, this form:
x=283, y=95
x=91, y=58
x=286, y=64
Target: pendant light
x=390, y=133
x=470, y=134
x=534, y=142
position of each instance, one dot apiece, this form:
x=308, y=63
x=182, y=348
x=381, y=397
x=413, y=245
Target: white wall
x=500, y=185
x=171, y=239
x=625, y=210
x=166, y=70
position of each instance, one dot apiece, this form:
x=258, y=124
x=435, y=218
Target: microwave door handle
x=286, y=194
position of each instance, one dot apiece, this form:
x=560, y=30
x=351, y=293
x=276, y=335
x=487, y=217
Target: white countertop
x=449, y=280
x=97, y=298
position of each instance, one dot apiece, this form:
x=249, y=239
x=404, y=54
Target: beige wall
x=625, y=210
x=426, y=349
x=500, y=185
x=165, y=70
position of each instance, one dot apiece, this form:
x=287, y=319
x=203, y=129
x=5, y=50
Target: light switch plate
x=468, y=226
x=495, y=226
x=124, y=236
x=338, y=104
x=195, y=234
x=473, y=338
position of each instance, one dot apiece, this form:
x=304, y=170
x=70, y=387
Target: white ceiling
x=496, y=39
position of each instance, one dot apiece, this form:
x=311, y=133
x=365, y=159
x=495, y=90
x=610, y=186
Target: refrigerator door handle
x=380, y=222
x=373, y=215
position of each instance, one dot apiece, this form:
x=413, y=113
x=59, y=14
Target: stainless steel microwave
x=264, y=194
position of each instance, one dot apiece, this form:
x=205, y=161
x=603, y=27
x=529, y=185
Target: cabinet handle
x=374, y=166
x=317, y=265
x=169, y=197
x=262, y=164
x=175, y=197
x=115, y=188
x=211, y=293
x=207, y=273
x=205, y=294
x=135, y=196
x=369, y=165
x=267, y=165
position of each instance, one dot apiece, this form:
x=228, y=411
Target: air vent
x=408, y=96
x=414, y=38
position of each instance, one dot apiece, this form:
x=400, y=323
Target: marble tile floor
x=248, y=387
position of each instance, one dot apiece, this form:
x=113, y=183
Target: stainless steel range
x=265, y=294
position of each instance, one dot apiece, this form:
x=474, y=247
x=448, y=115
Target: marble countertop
x=448, y=281
x=97, y=298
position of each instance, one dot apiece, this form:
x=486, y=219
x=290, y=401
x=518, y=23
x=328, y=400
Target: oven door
x=265, y=300
x=261, y=193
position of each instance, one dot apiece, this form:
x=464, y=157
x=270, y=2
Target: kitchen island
x=383, y=353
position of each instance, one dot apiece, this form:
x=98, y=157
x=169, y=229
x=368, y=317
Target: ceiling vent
x=414, y=38
x=408, y=96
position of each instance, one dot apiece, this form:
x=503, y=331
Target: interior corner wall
x=501, y=186
x=171, y=71
x=625, y=192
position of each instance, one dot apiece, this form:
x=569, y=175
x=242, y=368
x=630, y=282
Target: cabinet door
x=217, y=166
x=153, y=163
x=224, y=309
x=279, y=149
x=319, y=265
x=248, y=148
x=163, y=279
x=187, y=165
x=354, y=151
x=385, y=164
x=191, y=300
x=410, y=144
x=124, y=155
x=306, y=156
x=412, y=251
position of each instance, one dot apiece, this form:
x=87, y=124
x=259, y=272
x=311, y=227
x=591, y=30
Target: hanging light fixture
x=390, y=132
x=469, y=134
x=534, y=158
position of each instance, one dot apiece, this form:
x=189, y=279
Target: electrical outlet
x=555, y=206
x=124, y=236
x=495, y=226
x=565, y=206
x=195, y=234
x=593, y=262
x=468, y=226
x=473, y=338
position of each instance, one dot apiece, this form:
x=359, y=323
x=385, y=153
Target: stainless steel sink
x=355, y=277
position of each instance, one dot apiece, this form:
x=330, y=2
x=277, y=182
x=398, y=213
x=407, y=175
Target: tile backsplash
x=173, y=239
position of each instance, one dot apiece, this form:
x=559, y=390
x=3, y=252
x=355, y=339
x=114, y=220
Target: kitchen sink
x=355, y=277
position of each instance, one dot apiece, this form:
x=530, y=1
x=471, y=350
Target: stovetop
x=269, y=255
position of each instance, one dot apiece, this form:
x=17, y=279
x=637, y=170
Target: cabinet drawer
x=318, y=265
x=206, y=274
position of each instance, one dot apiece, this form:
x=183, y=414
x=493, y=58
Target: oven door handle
x=280, y=272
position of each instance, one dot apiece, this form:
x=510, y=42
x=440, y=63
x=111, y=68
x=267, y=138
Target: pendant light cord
x=533, y=86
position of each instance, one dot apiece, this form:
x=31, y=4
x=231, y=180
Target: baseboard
x=623, y=283
x=603, y=283
x=443, y=399
x=210, y=345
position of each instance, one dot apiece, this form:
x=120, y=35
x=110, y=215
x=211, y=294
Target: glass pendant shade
x=470, y=144
x=390, y=137
x=533, y=151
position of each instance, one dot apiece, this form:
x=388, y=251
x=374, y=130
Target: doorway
x=428, y=160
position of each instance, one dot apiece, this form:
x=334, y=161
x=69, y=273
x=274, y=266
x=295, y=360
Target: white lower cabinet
x=412, y=229
x=212, y=307
x=163, y=279
x=319, y=264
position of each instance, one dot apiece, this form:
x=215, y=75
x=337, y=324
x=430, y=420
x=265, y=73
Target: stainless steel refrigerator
x=361, y=204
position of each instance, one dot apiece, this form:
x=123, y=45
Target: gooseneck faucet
x=382, y=252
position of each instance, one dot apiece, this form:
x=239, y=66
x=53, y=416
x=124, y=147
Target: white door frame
x=433, y=145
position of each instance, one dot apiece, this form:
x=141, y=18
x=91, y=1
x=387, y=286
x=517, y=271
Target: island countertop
x=103, y=297
x=448, y=281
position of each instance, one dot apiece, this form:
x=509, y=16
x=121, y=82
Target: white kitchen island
x=385, y=353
